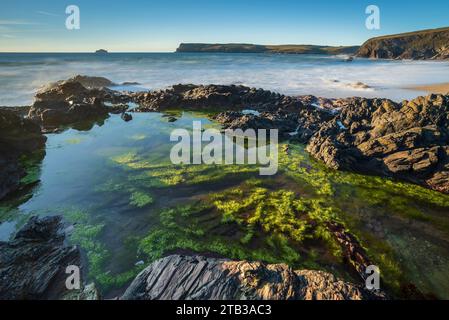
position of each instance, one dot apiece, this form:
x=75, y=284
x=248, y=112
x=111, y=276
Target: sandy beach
x=432, y=88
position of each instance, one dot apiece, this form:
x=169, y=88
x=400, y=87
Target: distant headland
x=430, y=44
x=101, y=51
x=255, y=48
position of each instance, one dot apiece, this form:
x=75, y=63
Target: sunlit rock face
x=194, y=277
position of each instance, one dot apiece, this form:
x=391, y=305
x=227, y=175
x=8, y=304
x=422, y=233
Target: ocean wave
x=327, y=76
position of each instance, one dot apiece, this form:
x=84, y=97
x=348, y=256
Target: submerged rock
x=198, y=278
x=18, y=137
x=126, y=117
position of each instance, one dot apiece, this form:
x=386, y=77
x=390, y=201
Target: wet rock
x=33, y=264
x=407, y=140
x=199, y=278
x=205, y=97
x=18, y=137
x=79, y=99
x=126, y=117
x=92, y=82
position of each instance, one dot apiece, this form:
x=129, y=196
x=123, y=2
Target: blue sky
x=157, y=25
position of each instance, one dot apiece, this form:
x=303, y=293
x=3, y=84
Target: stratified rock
x=197, y=278
x=407, y=140
x=18, y=137
x=33, y=264
x=420, y=45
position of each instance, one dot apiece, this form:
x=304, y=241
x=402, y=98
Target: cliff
x=254, y=48
x=427, y=44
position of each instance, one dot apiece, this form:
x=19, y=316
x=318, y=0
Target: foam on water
x=328, y=76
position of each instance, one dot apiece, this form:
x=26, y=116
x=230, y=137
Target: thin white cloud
x=17, y=23
x=9, y=36
x=46, y=13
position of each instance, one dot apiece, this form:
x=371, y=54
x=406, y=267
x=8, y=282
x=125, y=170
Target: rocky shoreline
x=33, y=264
x=33, y=267
x=408, y=141
x=198, y=278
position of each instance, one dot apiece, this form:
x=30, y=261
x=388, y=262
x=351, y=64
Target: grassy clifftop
x=254, y=48
x=420, y=45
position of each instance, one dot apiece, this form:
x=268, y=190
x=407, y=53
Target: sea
x=22, y=74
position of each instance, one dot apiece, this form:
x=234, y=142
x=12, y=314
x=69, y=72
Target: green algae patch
x=248, y=222
x=32, y=167
x=74, y=141
x=139, y=137
x=140, y=199
x=87, y=235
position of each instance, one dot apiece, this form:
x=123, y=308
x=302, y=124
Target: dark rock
x=33, y=264
x=18, y=137
x=93, y=82
x=199, y=278
x=211, y=97
x=69, y=102
x=126, y=117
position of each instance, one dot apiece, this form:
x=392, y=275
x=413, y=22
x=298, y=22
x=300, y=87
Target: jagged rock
x=420, y=45
x=18, y=137
x=79, y=99
x=33, y=264
x=198, y=278
x=407, y=140
x=205, y=97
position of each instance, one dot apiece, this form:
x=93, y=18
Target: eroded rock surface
x=420, y=45
x=198, y=278
x=33, y=264
x=76, y=100
x=408, y=140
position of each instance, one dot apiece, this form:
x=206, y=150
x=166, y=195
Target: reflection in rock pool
x=129, y=204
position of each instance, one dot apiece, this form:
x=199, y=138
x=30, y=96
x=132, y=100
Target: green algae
x=32, y=166
x=140, y=199
x=74, y=141
x=231, y=211
x=87, y=235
